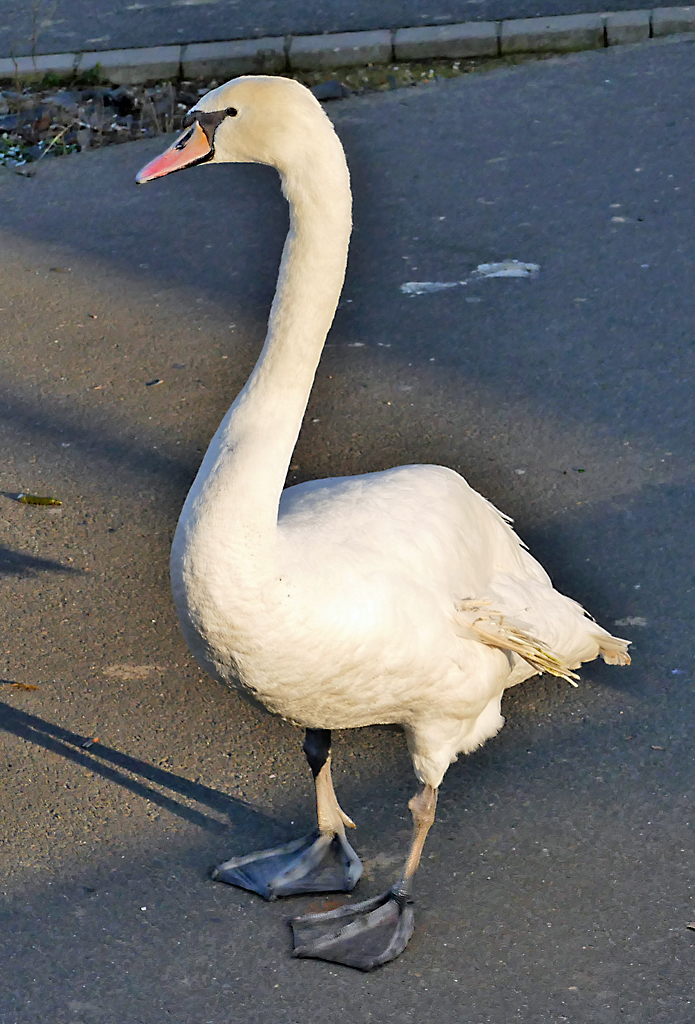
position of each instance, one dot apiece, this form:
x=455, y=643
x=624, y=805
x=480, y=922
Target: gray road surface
x=54, y=26
x=557, y=882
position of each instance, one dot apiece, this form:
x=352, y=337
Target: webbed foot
x=362, y=935
x=315, y=863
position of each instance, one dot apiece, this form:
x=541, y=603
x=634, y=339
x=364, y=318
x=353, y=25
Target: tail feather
x=495, y=632
x=612, y=649
x=492, y=627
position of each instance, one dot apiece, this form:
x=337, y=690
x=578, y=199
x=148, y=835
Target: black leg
x=317, y=747
x=321, y=862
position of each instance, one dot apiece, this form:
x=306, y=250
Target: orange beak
x=193, y=147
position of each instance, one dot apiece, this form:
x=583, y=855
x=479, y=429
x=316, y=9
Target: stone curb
x=330, y=52
x=562, y=34
x=627, y=27
x=126, y=67
x=344, y=49
x=243, y=56
x=472, y=39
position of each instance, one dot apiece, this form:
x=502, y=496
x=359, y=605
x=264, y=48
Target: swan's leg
x=422, y=807
x=321, y=862
x=365, y=935
x=331, y=818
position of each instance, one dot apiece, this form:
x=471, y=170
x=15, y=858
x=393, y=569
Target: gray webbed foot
x=315, y=863
x=362, y=935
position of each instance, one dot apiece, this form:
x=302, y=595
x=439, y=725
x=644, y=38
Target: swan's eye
x=231, y=111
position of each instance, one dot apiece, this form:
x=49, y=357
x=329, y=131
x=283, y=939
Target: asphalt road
x=557, y=883
x=54, y=26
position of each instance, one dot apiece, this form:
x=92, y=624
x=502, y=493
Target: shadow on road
x=16, y=563
x=99, y=758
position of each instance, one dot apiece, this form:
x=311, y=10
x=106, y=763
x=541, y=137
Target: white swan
x=394, y=597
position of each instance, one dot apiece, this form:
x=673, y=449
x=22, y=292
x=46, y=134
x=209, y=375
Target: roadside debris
x=47, y=122
x=330, y=90
x=18, y=686
x=153, y=383
x=89, y=743
x=37, y=499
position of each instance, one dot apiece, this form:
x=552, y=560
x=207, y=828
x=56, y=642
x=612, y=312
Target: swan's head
x=254, y=119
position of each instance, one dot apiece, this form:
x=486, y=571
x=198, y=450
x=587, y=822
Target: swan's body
x=364, y=615
x=394, y=597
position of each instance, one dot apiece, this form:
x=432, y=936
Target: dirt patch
x=130, y=672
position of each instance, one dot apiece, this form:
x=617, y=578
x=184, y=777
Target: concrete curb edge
x=330, y=52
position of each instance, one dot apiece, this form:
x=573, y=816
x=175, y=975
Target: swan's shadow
x=16, y=563
x=129, y=772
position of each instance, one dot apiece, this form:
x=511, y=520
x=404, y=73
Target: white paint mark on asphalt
x=506, y=268
x=426, y=287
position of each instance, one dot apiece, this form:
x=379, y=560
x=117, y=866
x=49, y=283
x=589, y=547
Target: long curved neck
x=243, y=473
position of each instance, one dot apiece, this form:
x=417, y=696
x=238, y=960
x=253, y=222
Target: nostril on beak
x=184, y=139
